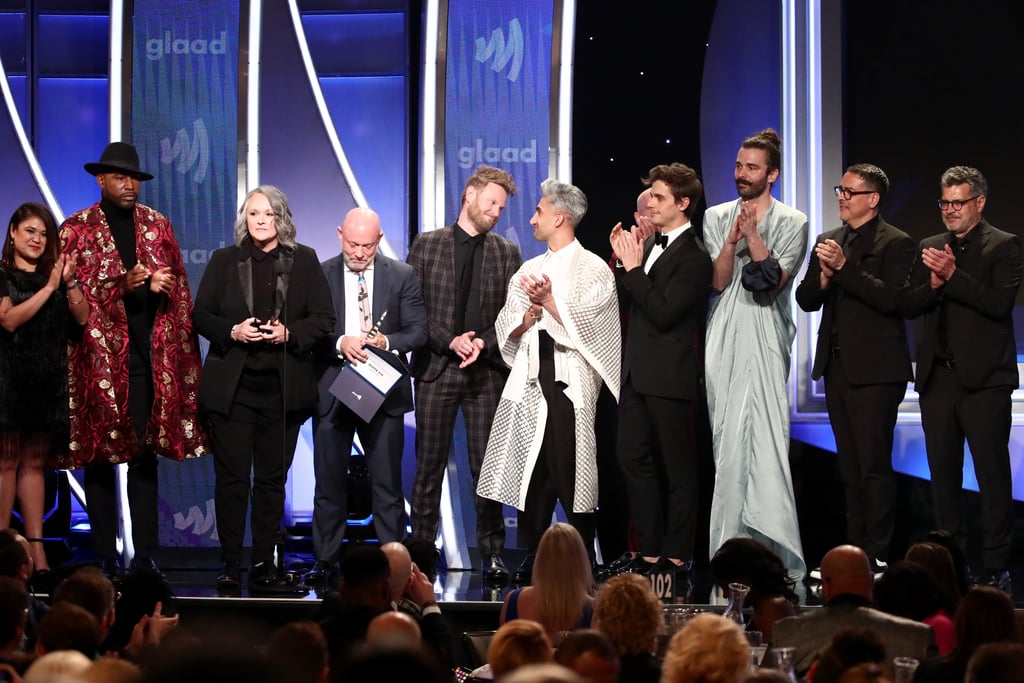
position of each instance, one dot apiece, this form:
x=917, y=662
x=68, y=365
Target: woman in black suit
x=262, y=304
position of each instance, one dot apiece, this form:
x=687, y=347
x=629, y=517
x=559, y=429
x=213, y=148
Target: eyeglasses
x=955, y=204
x=847, y=193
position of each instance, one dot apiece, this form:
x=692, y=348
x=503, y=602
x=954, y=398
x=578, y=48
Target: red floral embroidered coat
x=101, y=426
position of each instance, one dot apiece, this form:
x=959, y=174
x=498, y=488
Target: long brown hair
x=52, y=249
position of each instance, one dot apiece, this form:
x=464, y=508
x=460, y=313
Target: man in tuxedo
x=463, y=270
x=366, y=287
x=963, y=286
x=665, y=280
x=856, y=276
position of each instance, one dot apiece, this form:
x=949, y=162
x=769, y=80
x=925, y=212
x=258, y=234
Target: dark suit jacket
x=225, y=298
x=979, y=304
x=396, y=290
x=432, y=255
x=666, y=319
x=866, y=295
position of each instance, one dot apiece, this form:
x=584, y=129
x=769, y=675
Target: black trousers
x=951, y=413
x=863, y=419
x=657, y=453
x=554, y=474
x=253, y=447
x=143, y=490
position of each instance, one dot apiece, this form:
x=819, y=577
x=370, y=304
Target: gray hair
x=566, y=198
x=961, y=175
x=282, y=217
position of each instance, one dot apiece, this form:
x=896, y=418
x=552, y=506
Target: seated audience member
x=67, y=626
x=849, y=649
x=65, y=666
x=112, y=670
x=412, y=592
x=141, y=590
x=591, y=654
x=709, y=649
x=364, y=593
x=216, y=660
x=907, y=589
x=297, y=652
x=986, y=615
x=868, y=672
x=630, y=614
x=12, y=617
x=846, y=588
x=767, y=676
x=383, y=664
x=939, y=563
x=560, y=596
x=543, y=673
x=424, y=555
x=394, y=628
x=996, y=663
x=16, y=563
x=963, y=572
x=772, y=595
x=516, y=643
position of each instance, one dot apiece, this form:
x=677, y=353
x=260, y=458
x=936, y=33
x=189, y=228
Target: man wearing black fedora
x=134, y=371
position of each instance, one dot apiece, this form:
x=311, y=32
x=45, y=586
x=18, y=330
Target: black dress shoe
x=620, y=565
x=996, y=579
x=322, y=573
x=230, y=578
x=524, y=572
x=144, y=563
x=494, y=570
x=639, y=565
x=265, y=580
x=112, y=570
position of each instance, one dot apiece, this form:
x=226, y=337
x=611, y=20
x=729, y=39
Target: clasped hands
x=160, y=280
x=830, y=257
x=252, y=330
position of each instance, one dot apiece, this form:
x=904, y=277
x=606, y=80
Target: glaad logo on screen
x=170, y=45
x=478, y=154
x=200, y=523
x=190, y=154
x=503, y=52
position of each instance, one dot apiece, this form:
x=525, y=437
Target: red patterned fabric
x=101, y=426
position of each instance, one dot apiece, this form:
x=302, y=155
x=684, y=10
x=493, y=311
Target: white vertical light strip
x=26, y=148
x=115, y=86
x=564, y=163
x=431, y=200
x=790, y=75
x=117, y=133
x=252, y=107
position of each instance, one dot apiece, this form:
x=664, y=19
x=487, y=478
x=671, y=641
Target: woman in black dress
x=39, y=297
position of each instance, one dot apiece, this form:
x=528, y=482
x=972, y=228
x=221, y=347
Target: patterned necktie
x=364, y=306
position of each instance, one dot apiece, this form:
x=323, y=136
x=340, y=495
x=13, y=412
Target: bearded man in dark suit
x=464, y=270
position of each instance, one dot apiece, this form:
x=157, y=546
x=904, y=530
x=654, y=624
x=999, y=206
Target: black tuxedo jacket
x=978, y=301
x=432, y=255
x=862, y=304
x=396, y=290
x=225, y=298
x=667, y=310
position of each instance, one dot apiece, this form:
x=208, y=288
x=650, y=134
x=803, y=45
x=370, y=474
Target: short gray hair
x=965, y=175
x=282, y=217
x=566, y=198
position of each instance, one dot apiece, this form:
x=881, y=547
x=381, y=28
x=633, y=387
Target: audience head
x=298, y=653
x=61, y=665
x=752, y=563
x=848, y=649
x=946, y=540
x=111, y=670
x=139, y=592
x=66, y=626
x=400, y=563
x=985, y=615
x=846, y=570
x=767, y=676
x=378, y=664
x=424, y=554
x=562, y=577
x=366, y=578
x=516, y=643
x=14, y=558
x=394, y=628
x=996, y=663
x=939, y=563
x=90, y=589
x=709, y=649
x=591, y=654
x=629, y=613
x=13, y=598
x=542, y=673
x=908, y=590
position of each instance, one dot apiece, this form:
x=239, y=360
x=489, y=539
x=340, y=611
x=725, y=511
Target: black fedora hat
x=118, y=156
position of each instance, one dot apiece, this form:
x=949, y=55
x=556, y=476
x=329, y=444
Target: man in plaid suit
x=464, y=272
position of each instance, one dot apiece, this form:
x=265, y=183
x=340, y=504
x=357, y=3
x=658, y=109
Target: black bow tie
x=661, y=239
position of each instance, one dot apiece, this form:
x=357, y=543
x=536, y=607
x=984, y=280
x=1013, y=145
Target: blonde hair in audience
x=517, y=643
x=709, y=649
x=562, y=577
x=629, y=613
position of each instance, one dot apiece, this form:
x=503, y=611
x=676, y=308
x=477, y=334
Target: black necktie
x=661, y=239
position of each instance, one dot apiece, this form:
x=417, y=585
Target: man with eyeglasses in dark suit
x=963, y=287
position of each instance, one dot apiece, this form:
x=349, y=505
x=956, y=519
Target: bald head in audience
x=393, y=628
x=846, y=570
x=401, y=568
